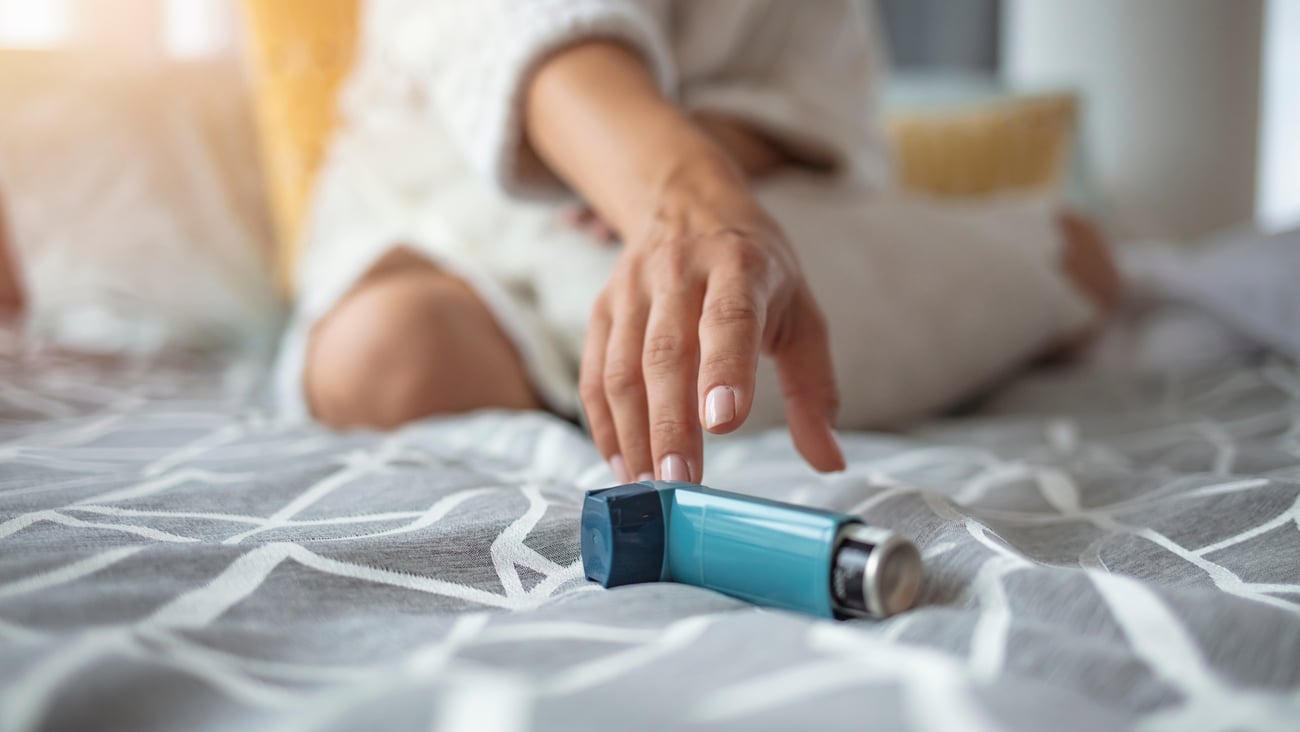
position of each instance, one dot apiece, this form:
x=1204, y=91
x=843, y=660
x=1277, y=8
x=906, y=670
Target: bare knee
x=406, y=347
x=11, y=292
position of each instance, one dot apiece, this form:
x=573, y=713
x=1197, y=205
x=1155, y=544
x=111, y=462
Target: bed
x=1103, y=551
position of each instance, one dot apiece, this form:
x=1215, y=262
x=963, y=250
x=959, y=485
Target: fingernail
x=673, y=467
x=645, y=476
x=619, y=468
x=719, y=406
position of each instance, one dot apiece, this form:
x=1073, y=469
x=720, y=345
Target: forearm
x=595, y=116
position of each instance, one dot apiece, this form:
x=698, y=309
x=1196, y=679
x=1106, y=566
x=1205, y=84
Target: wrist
x=698, y=186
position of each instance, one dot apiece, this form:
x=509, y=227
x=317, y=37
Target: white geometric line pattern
x=170, y=556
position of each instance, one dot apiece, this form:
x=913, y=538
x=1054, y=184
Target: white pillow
x=135, y=204
x=1232, y=295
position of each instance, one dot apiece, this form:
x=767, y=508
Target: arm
x=706, y=277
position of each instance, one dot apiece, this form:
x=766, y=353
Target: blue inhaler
x=768, y=553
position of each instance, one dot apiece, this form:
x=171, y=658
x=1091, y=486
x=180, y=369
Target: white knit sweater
x=800, y=72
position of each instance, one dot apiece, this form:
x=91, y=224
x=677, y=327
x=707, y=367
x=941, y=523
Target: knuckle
x=669, y=433
x=622, y=378
x=729, y=367
x=671, y=261
x=663, y=352
x=735, y=308
x=625, y=302
x=749, y=260
x=591, y=389
x=628, y=274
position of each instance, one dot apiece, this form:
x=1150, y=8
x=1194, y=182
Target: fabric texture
x=1123, y=553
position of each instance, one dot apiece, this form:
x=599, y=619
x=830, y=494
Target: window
x=29, y=23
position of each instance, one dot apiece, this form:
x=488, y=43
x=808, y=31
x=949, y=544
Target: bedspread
x=1120, y=554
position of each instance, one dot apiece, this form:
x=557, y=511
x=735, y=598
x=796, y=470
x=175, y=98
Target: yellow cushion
x=300, y=52
x=1017, y=144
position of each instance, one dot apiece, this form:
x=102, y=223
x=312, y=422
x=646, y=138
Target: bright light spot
x=196, y=28
x=29, y=23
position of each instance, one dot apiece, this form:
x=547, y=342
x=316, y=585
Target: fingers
x=624, y=385
x=731, y=332
x=592, y=390
x=602, y=232
x=584, y=219
x=674, y=344
x=803, y=361
x=669, y=362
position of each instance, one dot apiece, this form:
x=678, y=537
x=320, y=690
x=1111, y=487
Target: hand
x=705, y=281
x=675, y=337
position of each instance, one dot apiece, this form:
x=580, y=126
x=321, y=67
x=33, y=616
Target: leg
x=410, y=341
x=928, y=301
x=11, y=293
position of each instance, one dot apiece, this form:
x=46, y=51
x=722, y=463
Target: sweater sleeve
x=487, y=50
x=805, y=75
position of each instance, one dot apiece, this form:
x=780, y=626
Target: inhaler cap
x=623, y=535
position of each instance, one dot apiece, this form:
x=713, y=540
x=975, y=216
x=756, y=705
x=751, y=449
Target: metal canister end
x=876, y=573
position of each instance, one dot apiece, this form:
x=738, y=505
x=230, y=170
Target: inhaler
x=765, y=552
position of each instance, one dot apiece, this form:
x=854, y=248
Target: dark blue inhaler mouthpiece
x=623, y=535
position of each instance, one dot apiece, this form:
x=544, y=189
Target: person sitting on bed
x=767, y=273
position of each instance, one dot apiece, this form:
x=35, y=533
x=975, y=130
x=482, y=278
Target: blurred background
x=1188, y=107
x=143, y=139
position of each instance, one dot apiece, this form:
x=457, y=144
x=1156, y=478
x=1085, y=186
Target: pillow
x=135, y=204
x=300, y=52
x=978, y=148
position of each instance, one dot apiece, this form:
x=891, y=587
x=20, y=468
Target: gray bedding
x=1101, y=554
